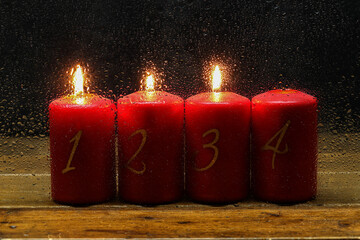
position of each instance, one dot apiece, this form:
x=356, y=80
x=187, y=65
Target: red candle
x=150, y=130
x=82, y=147
x=284, y=138
x=217, y=139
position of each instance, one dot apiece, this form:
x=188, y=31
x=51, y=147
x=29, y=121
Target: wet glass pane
x=311, y=46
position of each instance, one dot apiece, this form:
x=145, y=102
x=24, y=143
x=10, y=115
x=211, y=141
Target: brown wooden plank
x=27, y=211
x=164, y=222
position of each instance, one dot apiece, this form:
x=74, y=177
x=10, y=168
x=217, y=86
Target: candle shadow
x=235, y=203
x=290, y=203
x=149, y=205
x=84, y=205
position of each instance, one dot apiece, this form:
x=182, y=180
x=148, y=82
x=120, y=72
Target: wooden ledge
x=181, y=221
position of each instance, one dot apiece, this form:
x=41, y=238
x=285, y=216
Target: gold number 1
x=276, y=150
x=76, y=139
x=211, y=145
x=144, y=135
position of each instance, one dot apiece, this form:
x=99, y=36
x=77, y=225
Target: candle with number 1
x=284, y=140
x=82, y=146
x=217, y=138
x=150, y=130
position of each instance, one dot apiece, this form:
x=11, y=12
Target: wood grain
x=170, y=222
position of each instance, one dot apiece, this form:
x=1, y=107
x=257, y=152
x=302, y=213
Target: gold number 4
x=144, y=136
x=211, y=145
x=276, y=150
x=76, y=139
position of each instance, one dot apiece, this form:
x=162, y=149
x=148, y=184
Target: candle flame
x=78, y=82
x=149, y=84
x=216, y=79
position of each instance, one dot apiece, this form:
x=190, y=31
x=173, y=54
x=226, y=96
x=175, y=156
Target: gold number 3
x=276, y=150
x=76, y=139
x=144, y=135
x=211, y=145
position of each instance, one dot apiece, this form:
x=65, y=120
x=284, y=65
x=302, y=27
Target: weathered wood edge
x=189, y=222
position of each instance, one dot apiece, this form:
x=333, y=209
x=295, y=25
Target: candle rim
x=207, y=98
x=158, y=97
x=91, y=100
x=286, y=96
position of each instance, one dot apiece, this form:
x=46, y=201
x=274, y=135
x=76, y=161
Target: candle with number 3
x=284, y=140
x=217, y=138
x=82, y=147
x=150, y=130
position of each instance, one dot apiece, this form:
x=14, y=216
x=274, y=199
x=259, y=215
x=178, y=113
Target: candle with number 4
x=217, y=138
x=284, y=138
x=82, y=146
x=150, y=130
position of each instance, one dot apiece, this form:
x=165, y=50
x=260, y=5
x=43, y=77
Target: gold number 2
x=76, y=139
x=276, y=150
x=144, y=135
x=211, y=145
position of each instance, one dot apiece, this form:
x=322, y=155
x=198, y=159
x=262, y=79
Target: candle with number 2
x=82, y=147
x=284, y=140
x=217, y=138
x=150, y=130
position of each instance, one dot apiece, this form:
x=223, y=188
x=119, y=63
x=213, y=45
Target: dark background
x=309, y=45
